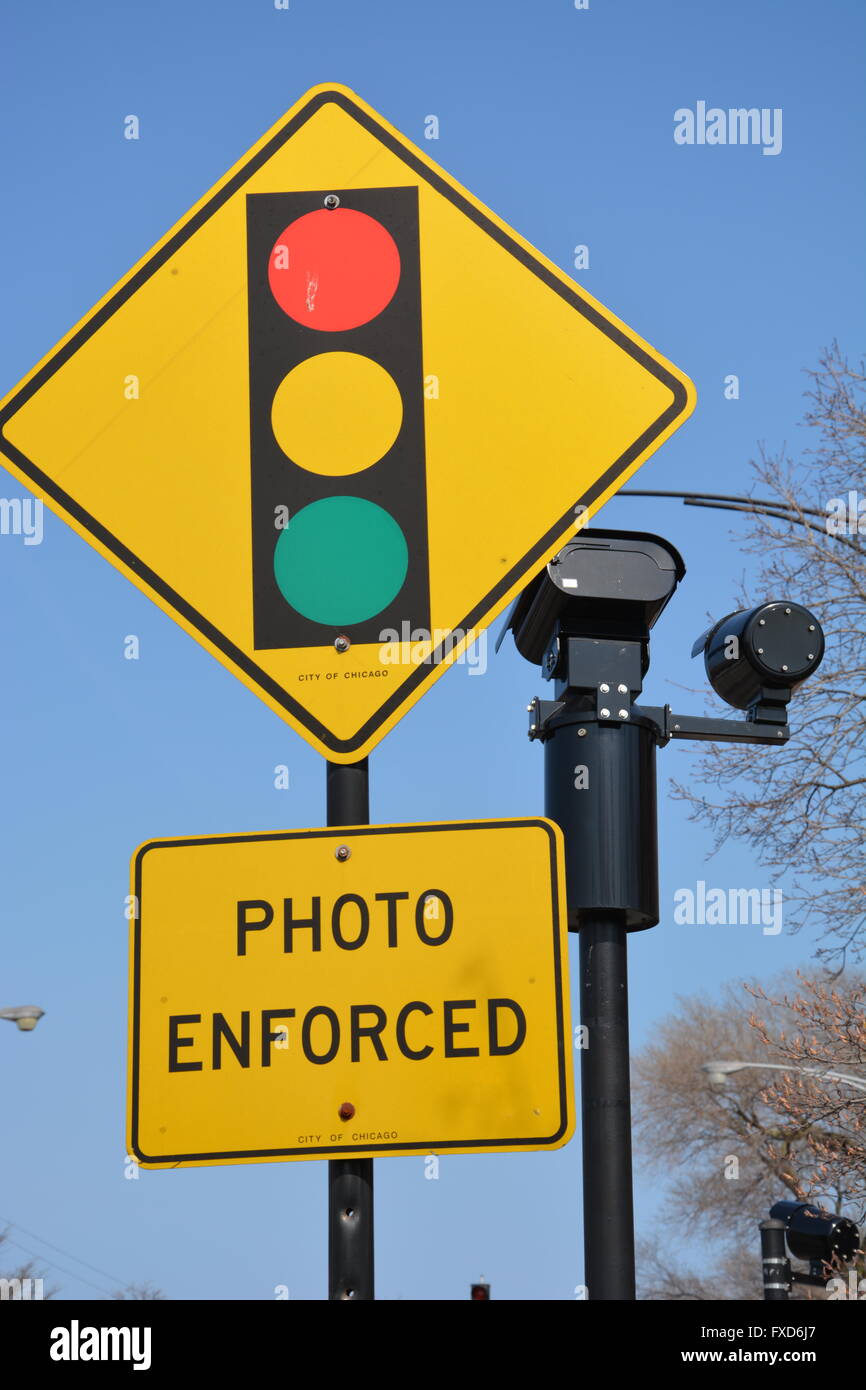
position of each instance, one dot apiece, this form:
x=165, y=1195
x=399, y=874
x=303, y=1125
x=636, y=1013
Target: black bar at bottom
x=608, y=1217
x=350, y=1180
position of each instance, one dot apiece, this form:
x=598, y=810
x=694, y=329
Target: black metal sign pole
x=350, y=1180
x=608, y=1217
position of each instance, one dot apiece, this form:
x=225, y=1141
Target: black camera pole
x=587, y=621
x=350, y=1180
x=600, y=788
x=775, y=1264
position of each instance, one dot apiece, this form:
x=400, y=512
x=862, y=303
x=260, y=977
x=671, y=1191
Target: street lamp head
x=718, y=1072
x=24, y=1016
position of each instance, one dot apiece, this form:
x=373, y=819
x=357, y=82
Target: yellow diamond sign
x=337, y=418
x=337, y=993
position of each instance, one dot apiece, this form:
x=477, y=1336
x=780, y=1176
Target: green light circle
x=340, y=561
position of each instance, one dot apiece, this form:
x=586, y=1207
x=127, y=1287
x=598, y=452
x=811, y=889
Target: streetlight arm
x=727, y=1068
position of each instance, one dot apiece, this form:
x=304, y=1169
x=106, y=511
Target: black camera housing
x=816, y=1235
x=602, y=584
x=761, y=653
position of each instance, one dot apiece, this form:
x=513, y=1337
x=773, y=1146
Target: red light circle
x=334, y=270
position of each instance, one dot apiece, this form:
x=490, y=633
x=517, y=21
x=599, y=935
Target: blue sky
x=727, y=260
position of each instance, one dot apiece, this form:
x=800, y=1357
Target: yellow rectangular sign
x=349, y=992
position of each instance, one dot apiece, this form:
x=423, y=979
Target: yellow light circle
x=336, y=413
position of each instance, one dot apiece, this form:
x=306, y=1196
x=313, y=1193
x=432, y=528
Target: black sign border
x=349, y=1151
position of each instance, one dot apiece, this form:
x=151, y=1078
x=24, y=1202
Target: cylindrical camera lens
x=774, y=646
x=814, y=1234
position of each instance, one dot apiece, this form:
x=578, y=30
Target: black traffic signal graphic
x=339, y=507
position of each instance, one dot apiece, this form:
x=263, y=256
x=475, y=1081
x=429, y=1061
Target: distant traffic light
x=480, y=1293
x=339, y=503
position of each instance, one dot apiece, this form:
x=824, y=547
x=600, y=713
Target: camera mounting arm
x=669, y=725
x=708, y=730
x=597, y=654
x=602, y=679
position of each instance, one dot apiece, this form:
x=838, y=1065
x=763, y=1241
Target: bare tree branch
x=729, y=1152
x=804, y=805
